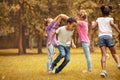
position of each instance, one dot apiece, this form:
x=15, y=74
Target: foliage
x=35, y=11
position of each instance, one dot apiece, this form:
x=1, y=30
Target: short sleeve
x=58, y=30
x=49, y=26
x=111, y=19
x=97, y=20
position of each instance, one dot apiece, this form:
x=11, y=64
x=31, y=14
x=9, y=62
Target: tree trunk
x=39, y=44
x=92, y=47
x=22, y=49
x=23, y=40
x=20, y=40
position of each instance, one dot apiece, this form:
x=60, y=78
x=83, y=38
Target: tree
x=25, y=18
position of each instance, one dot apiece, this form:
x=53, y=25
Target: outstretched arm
x=94, y=24
x=60, y=17
x=114, y=26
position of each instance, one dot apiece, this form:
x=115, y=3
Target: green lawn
x=32, y=66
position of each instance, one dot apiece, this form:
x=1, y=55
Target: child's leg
x=103, y=59
x=115, y=56
x=66, y=60
x=87, y=54
x=60, y=56
x=50, y=54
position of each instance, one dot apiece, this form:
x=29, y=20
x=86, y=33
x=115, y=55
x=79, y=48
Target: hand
x=49, y=43
x=73, y=46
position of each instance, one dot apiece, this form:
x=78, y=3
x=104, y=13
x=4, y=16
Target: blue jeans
x=106, y=40
x=50, y=55
x=86, y=49
x=64, y=53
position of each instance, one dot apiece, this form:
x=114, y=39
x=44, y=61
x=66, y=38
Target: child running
x=51, y=25
x=105, y=25
x=83, y=37
x=64, y=42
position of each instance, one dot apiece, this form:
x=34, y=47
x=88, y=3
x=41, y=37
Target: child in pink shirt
x=83, y=36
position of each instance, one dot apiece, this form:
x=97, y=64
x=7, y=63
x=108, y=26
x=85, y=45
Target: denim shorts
x=106, y=40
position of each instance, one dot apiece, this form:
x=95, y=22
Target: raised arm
x=114, y=26
x=60, y=17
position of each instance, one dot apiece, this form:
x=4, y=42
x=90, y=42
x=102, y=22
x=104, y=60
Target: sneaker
x=107, y=55
x=52, y=67
x=104, y=74
x=53, y=71
x=118, y=66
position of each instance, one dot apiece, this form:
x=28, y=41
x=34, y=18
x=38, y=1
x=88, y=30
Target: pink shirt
x=83, y=32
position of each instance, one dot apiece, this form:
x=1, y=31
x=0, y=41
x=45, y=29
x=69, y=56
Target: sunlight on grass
x=33, y=67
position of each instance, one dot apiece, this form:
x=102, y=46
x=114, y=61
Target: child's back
x=83, y=31
x=104, y=26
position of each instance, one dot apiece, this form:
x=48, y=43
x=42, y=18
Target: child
x=64, y=41
x=52, y=24
x=105, y=25
x=83, y=36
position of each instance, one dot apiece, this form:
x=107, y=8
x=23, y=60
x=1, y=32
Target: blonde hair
x=46, y=21
x=82, y=14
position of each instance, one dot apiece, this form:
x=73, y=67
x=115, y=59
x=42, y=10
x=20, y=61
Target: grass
x=33, y=66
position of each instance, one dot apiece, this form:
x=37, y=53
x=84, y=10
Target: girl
x=105, y=25
x=51, y=25
x=83, y=36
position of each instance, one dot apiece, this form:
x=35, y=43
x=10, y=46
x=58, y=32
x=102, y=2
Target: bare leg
x=103, y=59
x=115, y=56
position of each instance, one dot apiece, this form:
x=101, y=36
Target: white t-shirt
x=104, y=26
x=64, y=36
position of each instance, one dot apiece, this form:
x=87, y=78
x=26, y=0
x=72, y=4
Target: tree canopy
x=27, y=16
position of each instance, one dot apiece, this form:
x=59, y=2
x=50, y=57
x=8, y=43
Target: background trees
x=22, y=20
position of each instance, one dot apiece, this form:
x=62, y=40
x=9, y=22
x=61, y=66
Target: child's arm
x=94, y=24
x=78, y=22
x=73, y=44
x=51, y=38
x=114, y=26
x=60, y=17
x=54, y=23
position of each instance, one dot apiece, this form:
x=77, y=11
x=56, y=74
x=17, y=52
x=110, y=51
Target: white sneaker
x=104, y=74
x=107, y=55
x=53, y=71
x=118, y=66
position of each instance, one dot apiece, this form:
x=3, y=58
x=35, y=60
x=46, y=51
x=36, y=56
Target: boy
x=64, y=42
